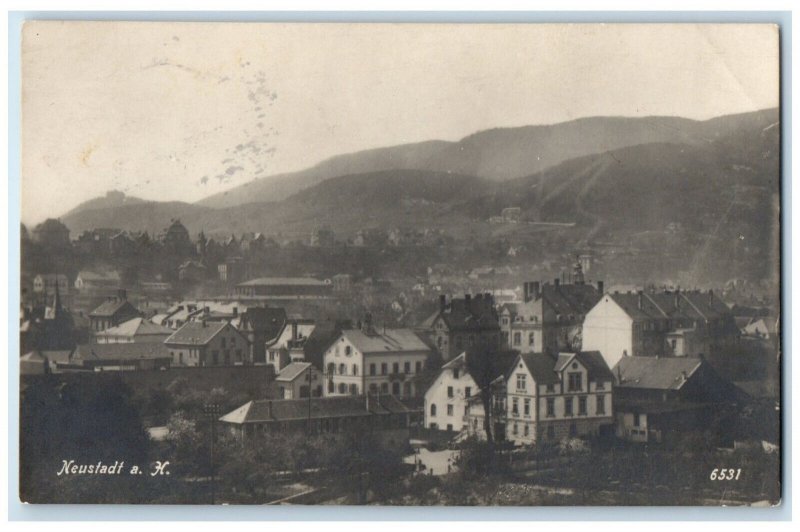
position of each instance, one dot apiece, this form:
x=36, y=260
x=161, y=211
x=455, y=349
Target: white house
x=447, y=398
x=384, y=361
x=551, y=398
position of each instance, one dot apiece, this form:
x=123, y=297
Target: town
x=270, y=371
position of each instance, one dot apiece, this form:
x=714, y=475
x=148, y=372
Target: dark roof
x=264, y=411
x=595, y=364
x=659, y=373
x=570, y=299
x=121, y=351
x=689, y=304
x=269, y=320
x=541, y=366
x=321, y=338
x=111, y=308
x=486, y=367
x=477, y=313
x=196, y=332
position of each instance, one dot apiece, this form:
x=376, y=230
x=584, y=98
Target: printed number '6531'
x=725, y=474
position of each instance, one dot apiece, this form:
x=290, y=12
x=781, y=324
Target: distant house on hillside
x=298, y=380
x=132, y=356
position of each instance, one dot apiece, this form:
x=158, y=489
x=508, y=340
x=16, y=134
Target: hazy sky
x=170, y=111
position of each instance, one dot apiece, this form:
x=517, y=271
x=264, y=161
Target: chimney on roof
x=442, y=301
x=294, y=329
x=535, y=290
x=640, y=299
x=710, y=296
x=600, y=287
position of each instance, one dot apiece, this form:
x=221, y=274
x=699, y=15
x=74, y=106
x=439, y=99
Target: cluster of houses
x=567, y=360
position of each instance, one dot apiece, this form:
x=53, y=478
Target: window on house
x=581, y=406
x=515, y=429
x=527, y=430
x=601, y=404
x=455, y=373
x=520, y=381
x=439, y=342
x=353, y=389
x=526, y=407
x=449, y=391
x=395, y=367
x=530, y=339
x=600, y=385
x=418, y=367
x=515, y=406
x=342, y=388
x=384, y=368
x=551, y=388
x=468, y=392
x=407, y=389
x=449, y=410
x=355, y=369
x=348, y=350
x=331, y=369
x=574, y=383
x=331, y=387
x=433, y=409
x=342, y=369
x=372, y=369
x=551, y=407
x=637, y=422
x=406, y=367
x=568, y=406
x=517, y=338
x=180, y=357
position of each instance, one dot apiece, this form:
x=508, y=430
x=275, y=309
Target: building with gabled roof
x=464, y=324
x=136, y=330
x=659, y=398
x=550, y=398
x=379, y=415
x=298, y=380
x=208, y=343
x=112, y=312
x=375, y=361
x=669, y=323
x=133, y=356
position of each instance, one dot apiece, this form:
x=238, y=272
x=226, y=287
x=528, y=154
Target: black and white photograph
x=400, y=264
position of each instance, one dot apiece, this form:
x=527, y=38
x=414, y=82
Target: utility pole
x=310, y=377
x=212, y=411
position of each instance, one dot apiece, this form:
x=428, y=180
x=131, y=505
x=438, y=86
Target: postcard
x=400, y=264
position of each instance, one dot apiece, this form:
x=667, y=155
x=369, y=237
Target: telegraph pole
x=310, y=376
x=212, y=411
